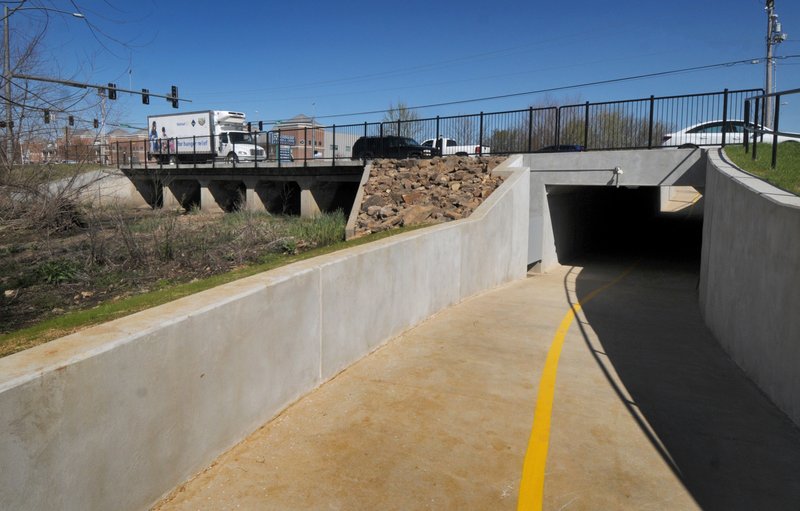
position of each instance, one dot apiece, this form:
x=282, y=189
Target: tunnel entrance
x=601, y=221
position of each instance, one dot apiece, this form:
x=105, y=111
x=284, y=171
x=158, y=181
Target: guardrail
x=643, y=123
x=769, y=128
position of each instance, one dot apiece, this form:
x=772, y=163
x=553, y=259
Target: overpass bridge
x=304, y=188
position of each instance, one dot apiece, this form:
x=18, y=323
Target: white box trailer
x=201, y=137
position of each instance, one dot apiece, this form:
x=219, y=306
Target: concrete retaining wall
x=750, y=278
x=101, y=188
x=115, y=416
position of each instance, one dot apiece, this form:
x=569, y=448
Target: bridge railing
x=629, y=124
x=764, y=123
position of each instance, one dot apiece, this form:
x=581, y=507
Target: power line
x=563, y=87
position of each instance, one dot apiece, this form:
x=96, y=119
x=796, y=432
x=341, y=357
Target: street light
x=7, y=72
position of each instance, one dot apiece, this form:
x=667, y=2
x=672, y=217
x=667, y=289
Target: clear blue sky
x=273, y=60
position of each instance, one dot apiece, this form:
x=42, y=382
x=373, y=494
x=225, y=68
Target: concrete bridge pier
x=168, y=198
x=252, y=201
x=208, y=203
x=309, y=208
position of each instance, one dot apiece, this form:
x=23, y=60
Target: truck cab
x=234, y=142
x=236, y=146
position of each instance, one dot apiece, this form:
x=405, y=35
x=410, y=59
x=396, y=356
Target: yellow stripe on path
x=531, y=487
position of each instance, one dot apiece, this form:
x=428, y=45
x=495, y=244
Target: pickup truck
x=448, y=146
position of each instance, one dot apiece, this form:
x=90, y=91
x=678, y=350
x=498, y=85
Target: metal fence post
x=305, y=146
x=586, y=127
x=146, y=156
x=194, y=150
x=436, y=140
x=775, y=129
x=213, y=153
x=130, y=151
x=724, y=115
x=746, y=137
x=530, y=128
x=558, y=127
x=650, y=123
x=278, y=152
x=118, y=164
x=755, y=130
x=480, y=134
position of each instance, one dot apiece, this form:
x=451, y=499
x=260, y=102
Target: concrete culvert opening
x=649, y=222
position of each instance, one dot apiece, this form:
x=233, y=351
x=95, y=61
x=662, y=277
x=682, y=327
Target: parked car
x=447, y=146
x=710, y=133
x=391, y=147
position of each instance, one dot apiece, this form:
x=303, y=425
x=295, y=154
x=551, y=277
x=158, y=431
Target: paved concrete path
x=648, y=412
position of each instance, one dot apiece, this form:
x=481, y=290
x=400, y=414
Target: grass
x=786, y=175
x=73, y=321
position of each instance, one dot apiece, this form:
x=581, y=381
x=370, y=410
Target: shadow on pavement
x=731, y=447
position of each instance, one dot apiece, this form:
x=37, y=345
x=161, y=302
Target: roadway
x=647, y=411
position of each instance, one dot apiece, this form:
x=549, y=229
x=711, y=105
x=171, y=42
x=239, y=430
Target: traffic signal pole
x=80, y=85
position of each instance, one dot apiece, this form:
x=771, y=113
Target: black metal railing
x=643, y=123
x=764, y=125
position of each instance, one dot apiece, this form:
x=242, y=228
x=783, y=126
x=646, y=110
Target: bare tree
x=402, y=121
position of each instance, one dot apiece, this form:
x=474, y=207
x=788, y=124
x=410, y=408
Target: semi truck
x=202, y=137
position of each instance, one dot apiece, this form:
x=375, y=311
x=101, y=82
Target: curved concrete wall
x=750, y=278
x=101, y=188
x=116, y=416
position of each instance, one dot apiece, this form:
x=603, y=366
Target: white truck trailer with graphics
x=202, y=137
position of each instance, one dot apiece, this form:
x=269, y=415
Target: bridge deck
x=648, y=412
x=269, y=169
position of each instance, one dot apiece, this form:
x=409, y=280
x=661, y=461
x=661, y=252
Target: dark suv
x=391, y=147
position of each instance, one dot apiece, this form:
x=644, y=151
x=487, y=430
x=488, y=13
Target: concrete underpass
x=648, y=411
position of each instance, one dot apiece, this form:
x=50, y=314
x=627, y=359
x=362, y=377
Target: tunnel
x=633, y=273
x=628, y=222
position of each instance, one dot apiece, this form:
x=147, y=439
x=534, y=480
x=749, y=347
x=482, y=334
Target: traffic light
x=260, y=125
x=71, y=120
x=96, y=124
x=174, y=97
x=249, y=127
x=47, y=116
x=112, y=90
x=145, y=96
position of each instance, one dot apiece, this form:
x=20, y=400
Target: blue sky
x=273, y=60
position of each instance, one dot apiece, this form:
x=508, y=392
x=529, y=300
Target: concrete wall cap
x=752, y=182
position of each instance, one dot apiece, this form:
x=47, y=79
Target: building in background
x=307, y=134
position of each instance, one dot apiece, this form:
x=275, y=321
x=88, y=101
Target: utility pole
x=774, y=36
x=7, y=80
